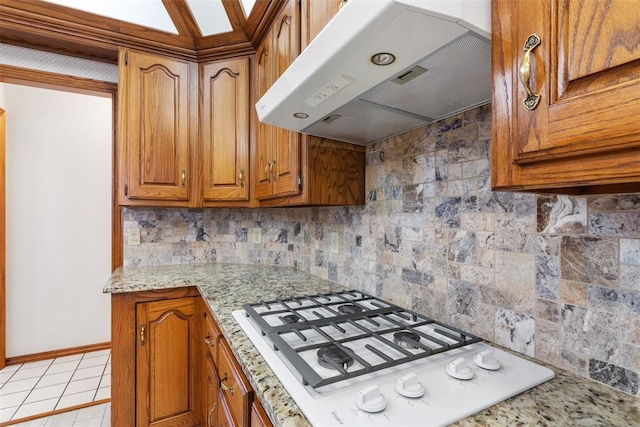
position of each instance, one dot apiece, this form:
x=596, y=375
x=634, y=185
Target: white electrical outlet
x=334, y=243
x=256, y=235
x=133, y=236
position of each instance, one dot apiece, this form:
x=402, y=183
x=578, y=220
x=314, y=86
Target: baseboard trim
x=36, y=357
x=55, y=412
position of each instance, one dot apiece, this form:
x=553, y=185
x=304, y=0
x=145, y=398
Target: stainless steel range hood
x=442, y=66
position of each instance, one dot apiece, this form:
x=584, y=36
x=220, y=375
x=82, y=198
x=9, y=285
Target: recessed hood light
x=383, y=58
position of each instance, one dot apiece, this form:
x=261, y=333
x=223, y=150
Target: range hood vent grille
x=455, y=81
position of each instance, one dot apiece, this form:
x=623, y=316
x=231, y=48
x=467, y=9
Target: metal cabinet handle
x=143, y=329
x=208, y=341
x=225, y=387
x=266, y=171
x=532, y=99
x=274, y=177
x=213, y=404
x=183, y=175
x=213, y=408
x=240, y=176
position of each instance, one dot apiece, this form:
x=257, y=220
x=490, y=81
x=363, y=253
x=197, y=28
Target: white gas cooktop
x=406, y=369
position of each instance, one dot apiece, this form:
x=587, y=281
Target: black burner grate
x=372, y=319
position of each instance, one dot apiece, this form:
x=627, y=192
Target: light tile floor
x=48, y=385
x=92, y=416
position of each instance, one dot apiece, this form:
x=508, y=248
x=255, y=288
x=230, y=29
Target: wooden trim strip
x=55, y=412
x=35, y=357
x=3, y=303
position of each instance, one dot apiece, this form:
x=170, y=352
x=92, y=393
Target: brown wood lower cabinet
x=229, y=401
x=172, y=367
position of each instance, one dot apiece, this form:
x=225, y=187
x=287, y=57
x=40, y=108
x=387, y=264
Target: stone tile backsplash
x=554, y=277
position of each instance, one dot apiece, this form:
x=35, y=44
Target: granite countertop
x=566, y=400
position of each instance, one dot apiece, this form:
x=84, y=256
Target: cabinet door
x=264, y=154
x=586, y=70
x=315, y=15
x=212, y=406
x=158, y=134
x=166, y=363
x=225, y=130
x=285, y=162
x=235, y=388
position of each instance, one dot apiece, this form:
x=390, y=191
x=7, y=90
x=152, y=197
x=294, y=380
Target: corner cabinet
x=224, y=124
x=157, y=128
x=580, y=62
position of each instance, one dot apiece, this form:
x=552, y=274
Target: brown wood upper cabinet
x=295, y=169
x=224, y=125
x=157, y=127
x=315, y=15
x=162, y=163
x=278, y=150
x=583, y=60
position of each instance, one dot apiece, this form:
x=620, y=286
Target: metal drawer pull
x=266, y=171
x=208, y=341
x=213, y=408
x=183, y=175
x=240, y=176
x=531, y=102
x=225, y=387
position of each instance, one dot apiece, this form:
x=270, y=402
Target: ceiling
x=196, y=30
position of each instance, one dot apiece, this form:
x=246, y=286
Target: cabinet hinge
x=300, y=181
x=126, y=59
x=126, y=190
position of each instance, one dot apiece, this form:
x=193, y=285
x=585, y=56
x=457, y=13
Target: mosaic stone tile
x=630, y=277
x=630, y=251
x=589, y=332
x=547, y=277
x=562, y=214
x=615, y=376
x=621, y=302
x=604, y=203
x=515, y=331
x=590, y=260
x=463, y=297
x=615, y=224
x=630, y=202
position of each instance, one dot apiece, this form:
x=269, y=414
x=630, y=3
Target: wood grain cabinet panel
x=224, y=92
x=291, y=168
x=212, y=405
x=234, y=387
x=315, y=15
x=154, y=95
x=278, y=150
x=583, y=135
x=166, y=364
x=259, y=417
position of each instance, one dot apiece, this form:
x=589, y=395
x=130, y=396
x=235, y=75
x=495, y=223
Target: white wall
x=59, y=170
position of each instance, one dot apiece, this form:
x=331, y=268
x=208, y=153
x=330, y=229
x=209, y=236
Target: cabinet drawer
x=211, y=336
x=234, y=386
x=258, y=416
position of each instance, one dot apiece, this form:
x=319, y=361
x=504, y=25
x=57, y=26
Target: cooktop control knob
x=371, y=400
x=487, y=360
x=409, y=386
x=458, y=369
